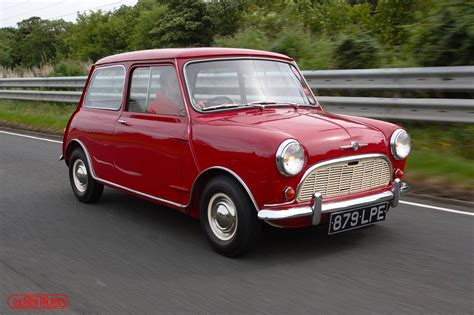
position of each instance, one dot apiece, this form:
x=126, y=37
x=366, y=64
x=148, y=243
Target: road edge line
x=435, y=208
x=401, y=201
x=28, y=136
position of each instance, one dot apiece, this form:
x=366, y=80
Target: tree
x=148, y=15
x=357, y=51
x=7, y=40
x=391, y=18
x=227, y=16
x=37, y=41
x=446, y=37
x=187, y=23
x=97, y=34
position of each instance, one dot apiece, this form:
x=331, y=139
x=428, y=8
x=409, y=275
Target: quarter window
x=106, y=88
x=155, y=90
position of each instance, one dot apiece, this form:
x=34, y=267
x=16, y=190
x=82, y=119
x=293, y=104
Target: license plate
x=353, y=219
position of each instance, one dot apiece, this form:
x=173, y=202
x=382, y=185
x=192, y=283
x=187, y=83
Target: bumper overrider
x=318, y=206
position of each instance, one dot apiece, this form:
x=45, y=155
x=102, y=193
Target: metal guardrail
x=46, y=82
x=432, y=79
x=452, y=79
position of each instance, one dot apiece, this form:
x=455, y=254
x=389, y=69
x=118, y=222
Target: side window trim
x=147, y=87
x=91, y=81
x=150, y=68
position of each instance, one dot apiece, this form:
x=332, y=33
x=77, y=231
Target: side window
x=155, y=90
x=106, y=88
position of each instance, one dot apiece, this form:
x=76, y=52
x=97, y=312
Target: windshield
x=234, y=83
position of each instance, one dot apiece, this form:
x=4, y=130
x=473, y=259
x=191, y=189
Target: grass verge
x=442, y=159
x=39, y=116
x=441, y=162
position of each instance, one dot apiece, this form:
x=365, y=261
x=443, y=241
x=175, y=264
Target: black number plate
x=353, y=219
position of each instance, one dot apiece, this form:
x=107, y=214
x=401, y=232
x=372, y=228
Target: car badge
x=354, y=146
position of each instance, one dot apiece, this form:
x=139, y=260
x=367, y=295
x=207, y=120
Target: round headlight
x=400, y=144
x=290, y=157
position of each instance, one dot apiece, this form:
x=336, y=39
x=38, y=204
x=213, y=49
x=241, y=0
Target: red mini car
x=233, y=137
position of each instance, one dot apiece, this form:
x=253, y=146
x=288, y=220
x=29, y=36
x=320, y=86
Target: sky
x=13, y=11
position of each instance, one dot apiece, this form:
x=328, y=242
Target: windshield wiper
x=220, y=106
x=260, y=104
x=263, y=103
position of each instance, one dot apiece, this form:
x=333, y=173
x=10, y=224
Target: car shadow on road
x=275, y=245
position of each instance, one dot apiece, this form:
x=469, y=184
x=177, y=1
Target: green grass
x=37, y=115
x=442, y=158
x=440, y=168
x=443, y=154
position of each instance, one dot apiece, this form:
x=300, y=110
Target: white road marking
x=401, y=201
x=28, y=136
x=436, y=208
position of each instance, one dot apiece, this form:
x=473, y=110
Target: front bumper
x=318, y=207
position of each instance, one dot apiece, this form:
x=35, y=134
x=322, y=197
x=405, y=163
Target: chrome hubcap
x=79, y=174
x=222, y=216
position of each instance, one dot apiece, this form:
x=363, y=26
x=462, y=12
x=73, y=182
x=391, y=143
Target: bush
x=357, y=51
x=446, y=38
x=247, y=38
x=68, y=69
x=310, y=53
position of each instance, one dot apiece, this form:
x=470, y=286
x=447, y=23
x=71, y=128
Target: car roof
x=170, y=53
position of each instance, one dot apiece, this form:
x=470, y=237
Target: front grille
x=345, y=178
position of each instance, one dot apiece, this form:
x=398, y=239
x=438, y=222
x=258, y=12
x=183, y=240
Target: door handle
x=122, y=121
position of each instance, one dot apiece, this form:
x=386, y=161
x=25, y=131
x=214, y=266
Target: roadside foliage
x=319, y=34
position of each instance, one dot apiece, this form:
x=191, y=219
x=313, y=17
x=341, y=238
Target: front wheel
x=228, y=217
x=84, y=186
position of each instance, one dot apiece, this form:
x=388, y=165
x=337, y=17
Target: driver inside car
x=168, y=97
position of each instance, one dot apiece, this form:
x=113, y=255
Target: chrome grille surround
x=345, y=176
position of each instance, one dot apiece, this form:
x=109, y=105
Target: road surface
x=127, y=255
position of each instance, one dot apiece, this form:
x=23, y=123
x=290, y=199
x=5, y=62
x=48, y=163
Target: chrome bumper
x=319, y=207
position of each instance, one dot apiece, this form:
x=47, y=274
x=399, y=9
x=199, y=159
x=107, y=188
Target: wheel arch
x=204, y=177
x=71, y=146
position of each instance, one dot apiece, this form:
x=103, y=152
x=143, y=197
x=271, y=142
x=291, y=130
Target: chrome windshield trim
x=291, y=63
x=343, y=159
x=307, y=85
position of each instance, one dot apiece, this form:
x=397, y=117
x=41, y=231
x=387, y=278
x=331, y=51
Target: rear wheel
x=86, y=188
x=228, y=217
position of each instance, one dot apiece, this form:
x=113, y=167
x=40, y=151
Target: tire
x=86, y=188
x=228, y=217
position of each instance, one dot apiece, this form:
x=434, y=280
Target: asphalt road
x=126, y=255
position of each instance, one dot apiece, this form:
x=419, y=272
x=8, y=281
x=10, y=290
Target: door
x=98, y=117
x=150, y=134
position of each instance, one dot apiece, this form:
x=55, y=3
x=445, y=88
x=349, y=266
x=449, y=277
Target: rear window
x=106, y=88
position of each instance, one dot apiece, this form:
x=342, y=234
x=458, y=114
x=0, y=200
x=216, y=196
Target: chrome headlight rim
x=280, y=157
x=393, y=144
